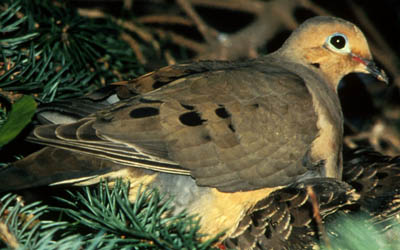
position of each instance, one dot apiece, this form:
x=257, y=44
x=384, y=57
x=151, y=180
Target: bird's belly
x=218, y=211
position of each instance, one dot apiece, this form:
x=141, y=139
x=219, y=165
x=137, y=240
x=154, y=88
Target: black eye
x=338, y=41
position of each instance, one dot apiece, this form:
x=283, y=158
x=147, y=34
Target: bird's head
x=334, y=46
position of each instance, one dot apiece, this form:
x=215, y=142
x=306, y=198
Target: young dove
x=284, y=220
x=219, y=136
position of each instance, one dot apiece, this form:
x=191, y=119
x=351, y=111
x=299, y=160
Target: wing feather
x=236, y=127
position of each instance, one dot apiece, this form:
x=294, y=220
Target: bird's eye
x=338, y=42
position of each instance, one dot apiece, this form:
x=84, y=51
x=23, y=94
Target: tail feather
x=53, y=165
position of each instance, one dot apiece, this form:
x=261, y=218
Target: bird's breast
x=327, y=146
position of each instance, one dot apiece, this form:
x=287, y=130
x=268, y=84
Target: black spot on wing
x=144, y=100
x=222, y=112
x=316, y=65
x=144, y=112
x=188, y=107
x=159, y=84
x=191, y=119
x=231, y=127
x=207, y=137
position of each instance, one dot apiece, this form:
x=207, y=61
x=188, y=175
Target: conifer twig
x=7, y=236
x=317, y=216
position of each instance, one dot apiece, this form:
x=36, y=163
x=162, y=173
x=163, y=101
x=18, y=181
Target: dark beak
x=371, y=68
x=377, y=72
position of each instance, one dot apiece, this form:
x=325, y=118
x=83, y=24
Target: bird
x=218, y=136
x=285, y=220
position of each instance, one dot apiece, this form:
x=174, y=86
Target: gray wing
x=238, y=128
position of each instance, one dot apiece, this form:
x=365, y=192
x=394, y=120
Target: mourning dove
x=285, y=220
x=218, y=136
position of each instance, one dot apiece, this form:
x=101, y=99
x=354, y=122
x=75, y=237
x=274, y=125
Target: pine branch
x=99, y=218
x=142, y=224
x=358, y=232
x=21, y=227
x=51, y=51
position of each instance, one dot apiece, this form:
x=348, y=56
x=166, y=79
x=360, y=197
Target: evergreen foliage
x=47, y=49
x=99, y=218
x=359, y=232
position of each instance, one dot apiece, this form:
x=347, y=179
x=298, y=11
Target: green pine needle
x=99, y=218
x=357, y=232
x=50, y=50
x=141, y=224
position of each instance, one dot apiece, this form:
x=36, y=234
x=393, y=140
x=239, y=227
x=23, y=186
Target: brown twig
x=170, y=59
x=250, y=6
x=128, y=4
x=7, y=237
x=314, y=7
x=368, y=25
x=379, y=131
x=271, y=17
x=317, y=216
x=135, y=47
x=91, y=13
x=141, y=32
x=380, y=48
x=181, y=40
x=165, y=19
x=208, y=33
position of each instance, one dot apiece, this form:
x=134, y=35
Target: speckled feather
x=285, y=219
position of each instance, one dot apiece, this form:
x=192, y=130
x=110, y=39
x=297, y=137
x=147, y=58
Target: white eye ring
x=338, y=42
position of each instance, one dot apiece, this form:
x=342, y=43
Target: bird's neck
x=318, y=61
